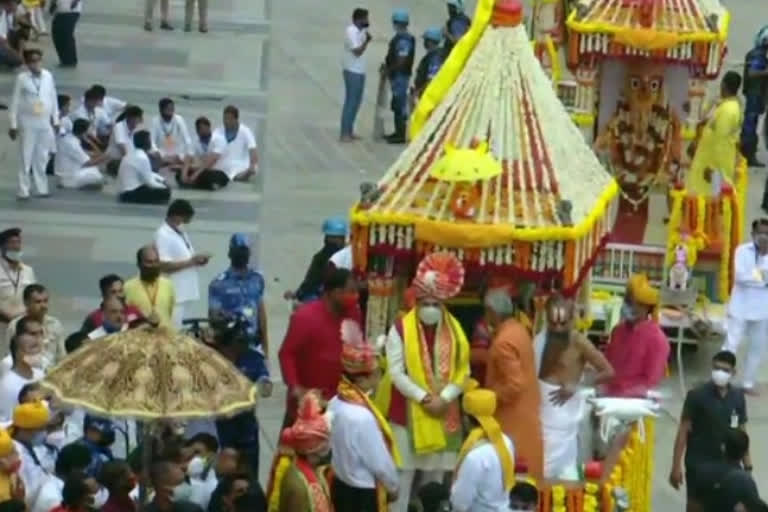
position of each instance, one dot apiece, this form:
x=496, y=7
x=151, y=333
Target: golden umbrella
x=149, y=374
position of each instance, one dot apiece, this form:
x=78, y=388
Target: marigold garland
x=282, y=466
x=723, y=287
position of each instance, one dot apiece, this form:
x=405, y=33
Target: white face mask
x=182, y=492
x=34, y=360
x=56, y=438
x=13, y=255
x=100, y=498
x=721, y=378
x=196, y=467
x=430, y=315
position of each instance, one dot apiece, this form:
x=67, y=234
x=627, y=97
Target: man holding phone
x=356, y=39
x=178, y=258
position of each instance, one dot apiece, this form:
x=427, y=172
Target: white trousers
x=756, y=331
x=87, y=177
x=35, y=145
x=406, y=483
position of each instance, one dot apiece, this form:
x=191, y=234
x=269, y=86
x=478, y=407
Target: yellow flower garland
x=558, y=499
x=590, y=498
x=282, y=468
x=723, y=287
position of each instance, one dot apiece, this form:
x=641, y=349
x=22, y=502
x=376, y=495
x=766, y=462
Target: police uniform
x=399, y=62
x=456, y=26
x=428, y=67
x=755, y=89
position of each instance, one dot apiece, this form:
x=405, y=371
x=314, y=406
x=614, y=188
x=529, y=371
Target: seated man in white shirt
x=170, y=135
x=27, y=360
x=136, y=181
x=121, y=141
x=74, y=167
x=200, y=170
x=10, y=55
x=239, y=159
x=113, y=107
x=100, y=128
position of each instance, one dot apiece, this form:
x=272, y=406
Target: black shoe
x=754, y=162
x=395, y=139
x=166, y=26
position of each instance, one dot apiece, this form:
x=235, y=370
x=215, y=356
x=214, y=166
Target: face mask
x=430, y=315
x=628, y=312
x=349, y=301
x=34, y=360
x=182, y=492
x=100, y=498
x=13, y=255
x=38, y=439
x=721, y=378
x=150, y=274
x=56, y=438
x=109, y=328
x=196, y=467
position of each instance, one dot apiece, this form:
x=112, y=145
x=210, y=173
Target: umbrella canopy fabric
x=149, y=374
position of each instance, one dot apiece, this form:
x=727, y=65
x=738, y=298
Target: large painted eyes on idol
x=634, y=83
x=655, y=85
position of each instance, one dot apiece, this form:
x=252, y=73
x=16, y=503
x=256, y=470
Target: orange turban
x=440, y=276
x=357, y=355
x=311, y=431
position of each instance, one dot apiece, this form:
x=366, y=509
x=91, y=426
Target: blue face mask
x=109, y=328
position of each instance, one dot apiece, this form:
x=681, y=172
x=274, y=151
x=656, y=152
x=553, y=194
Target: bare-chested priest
x=561, y=356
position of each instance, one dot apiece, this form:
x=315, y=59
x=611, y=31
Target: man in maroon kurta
x=310, y=356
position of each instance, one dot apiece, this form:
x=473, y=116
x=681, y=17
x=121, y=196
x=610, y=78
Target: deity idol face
x=644, y=86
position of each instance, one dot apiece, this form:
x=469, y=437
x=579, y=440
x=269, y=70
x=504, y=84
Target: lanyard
x=151, y=295
x=167, y=133
x=182, y=236
x=37, y=83
x=31, y=452
x=204, y=145
x=8, y=272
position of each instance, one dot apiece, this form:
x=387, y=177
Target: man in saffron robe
x=638, y=349
x=511, y=374
x=364, y=454
x=428, y=362
x=298, y=483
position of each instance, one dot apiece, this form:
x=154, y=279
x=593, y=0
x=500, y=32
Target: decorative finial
x=507, y=13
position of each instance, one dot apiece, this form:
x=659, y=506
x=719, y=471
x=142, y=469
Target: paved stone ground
x=290, y=48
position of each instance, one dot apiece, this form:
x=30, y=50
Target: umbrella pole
x=146, y=442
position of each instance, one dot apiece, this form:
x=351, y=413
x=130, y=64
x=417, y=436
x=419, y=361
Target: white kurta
x=236, y=155
x=443, y=461
x=49, y=496
x=171, y=138
x=479, y=483
x=359, y=454
x=175, y=246
x=69, y=165
x=34, y=110
x=32, y=474
x=560, y=424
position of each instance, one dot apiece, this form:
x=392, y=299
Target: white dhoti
x=36, y=142
x=560, y=433
x=756, y=331
x=87, y=177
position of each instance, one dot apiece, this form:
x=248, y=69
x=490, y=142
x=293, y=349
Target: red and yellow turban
x=440, y=276
x=358, y=357
x=311, y=431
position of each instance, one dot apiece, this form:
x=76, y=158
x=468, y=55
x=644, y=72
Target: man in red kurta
x=638, y=349
x=311, y=351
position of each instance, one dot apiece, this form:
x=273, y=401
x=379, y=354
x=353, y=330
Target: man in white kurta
x=74, y=167
x=34, y=120
x=170, y=135
x=15, y=276
x=424, y=409
x=239, y=159
x=747, y=310
x=485, y=471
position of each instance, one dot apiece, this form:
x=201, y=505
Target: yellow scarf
x=353, y=395
x=497, y=440
x=451, y=368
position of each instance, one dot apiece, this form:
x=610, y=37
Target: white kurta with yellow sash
x=423, y=445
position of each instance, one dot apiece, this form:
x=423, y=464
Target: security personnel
x=457, y=25
x=398, y=66
x=335, y=231
x=755, y=90
x=430, y=63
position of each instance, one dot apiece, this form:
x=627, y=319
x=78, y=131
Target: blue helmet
x=761, y=37
x=335, y=226
x=400, y=16
x=434, y=34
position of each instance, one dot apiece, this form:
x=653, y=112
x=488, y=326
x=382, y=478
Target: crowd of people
x=103, y=136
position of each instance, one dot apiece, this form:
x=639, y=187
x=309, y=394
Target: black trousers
x=209, y=179
x=63, y=35
x=146, y=195
x=352, y=499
